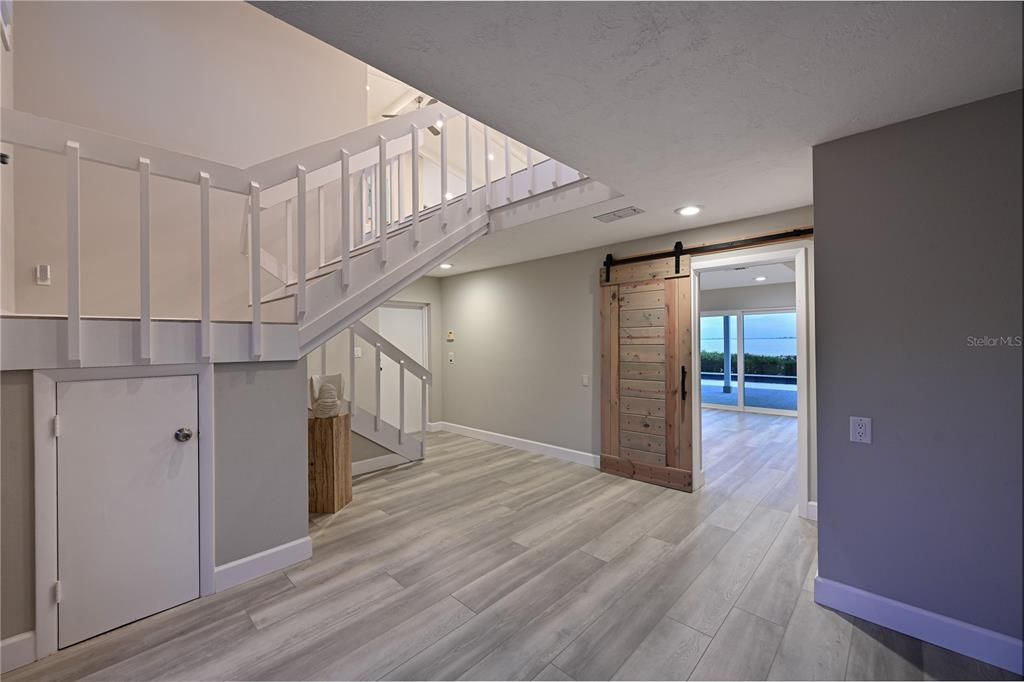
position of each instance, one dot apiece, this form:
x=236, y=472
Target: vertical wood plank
x=346, y=218
x=74, y=329
x=145, y=262
x=672, y=360
x=204, y=256
x=255, y=249
x=690, y=390
x=300, y=298
x=610, y=371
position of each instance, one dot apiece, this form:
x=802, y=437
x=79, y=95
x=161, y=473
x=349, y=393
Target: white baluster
x=204, y=251
x=255, y=293
x=346, y=219
x=415, y=152
x=352, y=371
x=488, y=190
x=531, y=187
x=508, y=171
x=376, y=372
x=72, y=151
x=400, y=184
x=289, y=241
x=558, y=174
x=360, y=208
x=469, y=164
x=401, y=401
x=444, y=172
x=145, y=276
x=382, y=199
x=423, y=408
x=321, y=230
x=300, y=299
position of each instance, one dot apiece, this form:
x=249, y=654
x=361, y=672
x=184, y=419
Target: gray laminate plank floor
x=486, y=562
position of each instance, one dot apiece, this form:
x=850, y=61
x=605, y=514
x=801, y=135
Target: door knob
x=183, y=434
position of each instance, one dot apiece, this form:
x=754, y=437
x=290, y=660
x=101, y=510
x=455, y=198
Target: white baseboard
x=985, y=645
x=260, y=564
x=812, y=511
x=567, y=454
x=17, y=651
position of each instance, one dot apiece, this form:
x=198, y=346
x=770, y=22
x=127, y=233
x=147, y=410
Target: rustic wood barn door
x=646, y=378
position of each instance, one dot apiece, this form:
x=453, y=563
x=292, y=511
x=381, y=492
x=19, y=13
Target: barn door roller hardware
x=679, y=250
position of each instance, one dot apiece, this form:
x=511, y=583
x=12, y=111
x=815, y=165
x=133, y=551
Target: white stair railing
x=396, y=437
x=363, y=170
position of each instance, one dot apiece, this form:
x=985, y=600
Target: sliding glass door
x=748, y=360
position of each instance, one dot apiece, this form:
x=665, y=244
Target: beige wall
x=526, y=333
x=219, y=80
x=17, y=546
x=749, y=298
x=261, y=467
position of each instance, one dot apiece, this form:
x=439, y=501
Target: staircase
x=386, y=213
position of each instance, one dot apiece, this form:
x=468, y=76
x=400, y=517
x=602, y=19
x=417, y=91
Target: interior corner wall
x=525, y=334
x=17, y=504
x=918, y=246
x=261, y=487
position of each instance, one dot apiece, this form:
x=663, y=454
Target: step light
x=612, y=216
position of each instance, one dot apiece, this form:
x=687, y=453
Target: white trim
x=260, y=564
x=812, y=511
x=17, y=651
x=970, y=640
x=45, y=409
x=568, y=454
x=802, y=254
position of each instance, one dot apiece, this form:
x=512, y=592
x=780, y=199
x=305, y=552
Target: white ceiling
x=674, y=103
x=774, y=273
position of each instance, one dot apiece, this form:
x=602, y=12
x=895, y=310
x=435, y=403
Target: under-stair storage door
x=645, y=348
x=127, y=501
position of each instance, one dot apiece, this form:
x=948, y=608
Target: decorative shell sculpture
x=327, y=404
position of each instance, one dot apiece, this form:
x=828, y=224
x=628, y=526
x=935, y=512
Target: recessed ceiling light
x=449, y=196
x=446, y=266
x=490, y=157
x=688, y=210
x=760, y=278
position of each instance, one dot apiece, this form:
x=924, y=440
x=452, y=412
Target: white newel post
x=74, y=329
x=145, y=277
x=508, y=171
x=255, y=248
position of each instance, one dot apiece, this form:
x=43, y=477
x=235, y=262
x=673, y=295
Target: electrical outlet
x=860, y=429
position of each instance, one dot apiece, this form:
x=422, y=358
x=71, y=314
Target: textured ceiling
x=674, y=103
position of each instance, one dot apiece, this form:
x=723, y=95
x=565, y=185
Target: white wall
x=749, y=298
x=219, y=80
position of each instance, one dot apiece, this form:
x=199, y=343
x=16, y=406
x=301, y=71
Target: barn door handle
x=682, y=381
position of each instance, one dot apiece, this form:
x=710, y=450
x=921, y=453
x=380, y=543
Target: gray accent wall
x=261, y=465
x=17, y=500
x=525, y=335
x=918, y=248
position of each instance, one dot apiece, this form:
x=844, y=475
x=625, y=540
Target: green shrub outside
x=772, y=365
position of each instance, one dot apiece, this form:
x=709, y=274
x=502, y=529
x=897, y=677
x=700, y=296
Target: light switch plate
x=357, y=352
x=860, y=429
x=586, y=379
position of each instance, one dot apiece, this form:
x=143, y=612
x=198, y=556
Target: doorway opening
x=752, y=319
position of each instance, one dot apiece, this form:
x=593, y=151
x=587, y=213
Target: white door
x=404, y=327
x=127, y=501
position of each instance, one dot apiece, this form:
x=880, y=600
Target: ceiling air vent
x=612, y=216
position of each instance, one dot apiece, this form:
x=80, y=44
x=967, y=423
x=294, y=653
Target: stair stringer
x=387, y=435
